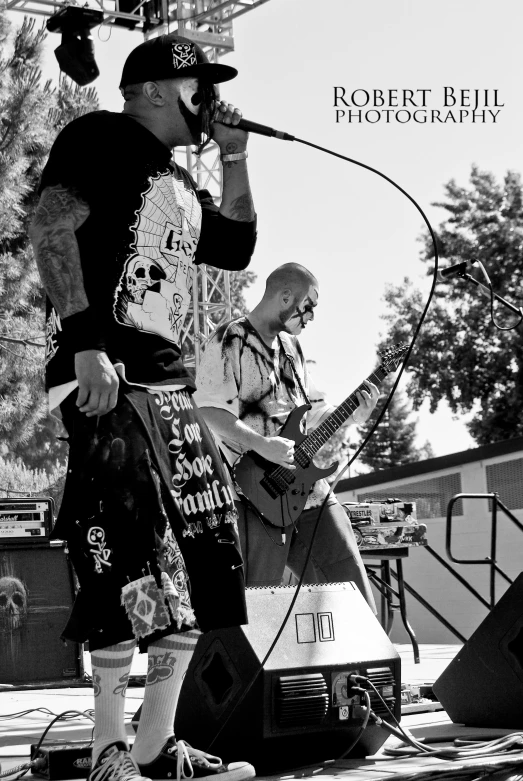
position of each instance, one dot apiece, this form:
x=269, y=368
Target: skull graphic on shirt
x=155, y=288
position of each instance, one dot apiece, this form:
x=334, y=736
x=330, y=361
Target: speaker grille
x=301, y=699
x=383, y=680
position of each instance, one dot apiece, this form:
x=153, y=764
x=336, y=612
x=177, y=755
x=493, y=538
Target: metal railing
x=489, y=561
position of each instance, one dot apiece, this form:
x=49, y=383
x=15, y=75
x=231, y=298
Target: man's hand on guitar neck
x=368, y=401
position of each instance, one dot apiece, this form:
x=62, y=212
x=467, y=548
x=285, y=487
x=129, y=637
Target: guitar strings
x=310, y=446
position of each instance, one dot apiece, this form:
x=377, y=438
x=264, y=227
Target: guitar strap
x=294, y=371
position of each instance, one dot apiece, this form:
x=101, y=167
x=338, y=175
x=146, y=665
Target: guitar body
x=279, y=494
x=279, y=499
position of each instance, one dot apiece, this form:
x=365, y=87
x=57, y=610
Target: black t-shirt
x=147, y=229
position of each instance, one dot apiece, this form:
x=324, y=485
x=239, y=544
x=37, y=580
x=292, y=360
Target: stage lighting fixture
x=75, y=54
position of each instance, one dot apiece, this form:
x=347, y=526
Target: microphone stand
x=487, y=292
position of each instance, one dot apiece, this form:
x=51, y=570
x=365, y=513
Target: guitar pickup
x=277, y=482
x=272, y=489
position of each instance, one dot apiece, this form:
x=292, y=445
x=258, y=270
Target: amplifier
x=25, y=519
x=386, y=524
x=296, y=706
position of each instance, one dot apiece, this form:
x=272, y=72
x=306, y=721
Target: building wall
x=471, y=525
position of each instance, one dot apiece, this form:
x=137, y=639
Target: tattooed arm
x=236, y=201
x=59, y=214
x=228, y=234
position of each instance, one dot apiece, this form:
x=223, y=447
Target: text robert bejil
x=450, y=105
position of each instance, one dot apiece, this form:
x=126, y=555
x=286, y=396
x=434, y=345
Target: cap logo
x=184, y=54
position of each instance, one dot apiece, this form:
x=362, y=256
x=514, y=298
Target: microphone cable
x=288, y=614
x=416, y=332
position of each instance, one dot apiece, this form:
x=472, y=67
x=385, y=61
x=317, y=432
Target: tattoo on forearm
x=230, y=149
x=242, y=208
x=59, y=213
x=59, y=204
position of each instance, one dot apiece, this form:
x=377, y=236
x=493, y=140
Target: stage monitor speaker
x=36, y=596
x=300, y=708
x=483, y=685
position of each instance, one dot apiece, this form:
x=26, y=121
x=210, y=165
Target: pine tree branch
x=12, y=352
x=26, y=342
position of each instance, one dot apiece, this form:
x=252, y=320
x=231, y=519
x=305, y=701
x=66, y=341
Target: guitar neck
x=317, y=438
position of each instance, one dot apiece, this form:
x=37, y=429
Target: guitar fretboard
x=306, y=451
x=336, y=419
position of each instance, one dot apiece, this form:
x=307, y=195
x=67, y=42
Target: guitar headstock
x=391, y=358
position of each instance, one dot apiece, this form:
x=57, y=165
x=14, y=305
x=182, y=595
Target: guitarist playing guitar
x=252, y=376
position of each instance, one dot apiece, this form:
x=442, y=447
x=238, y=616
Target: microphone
x=261, y=130
x=457, y=268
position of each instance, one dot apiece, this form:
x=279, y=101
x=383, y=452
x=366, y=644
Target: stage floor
x=17, y=733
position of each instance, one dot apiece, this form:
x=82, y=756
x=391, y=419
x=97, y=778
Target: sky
x=351, y=228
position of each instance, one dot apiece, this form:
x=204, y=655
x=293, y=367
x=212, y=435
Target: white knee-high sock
x=168, y=662
x=111, y=667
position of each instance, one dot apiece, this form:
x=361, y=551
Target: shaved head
x=290, y=276
x=288, y=304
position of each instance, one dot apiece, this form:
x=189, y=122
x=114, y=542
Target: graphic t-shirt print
x=154, y=291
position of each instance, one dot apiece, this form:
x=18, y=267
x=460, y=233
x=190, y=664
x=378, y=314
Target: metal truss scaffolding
x=211, y=298
x=208, y=22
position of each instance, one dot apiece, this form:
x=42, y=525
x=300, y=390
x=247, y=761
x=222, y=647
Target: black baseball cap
x=172, y=57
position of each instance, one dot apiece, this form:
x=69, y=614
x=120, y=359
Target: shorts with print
x=148, y=500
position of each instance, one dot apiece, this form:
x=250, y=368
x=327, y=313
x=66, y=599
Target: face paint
x=190, y=96
x=194, y=123
x=296, y=317
x=189, y=105
x=196, y=104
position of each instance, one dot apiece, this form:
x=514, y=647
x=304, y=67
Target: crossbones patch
x=184, y=55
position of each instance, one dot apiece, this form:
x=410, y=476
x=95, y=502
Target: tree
x=16, y=478
x=460, y=356
x=338, y=448
x=239, y=281
x=393, y=442
x=31, y=114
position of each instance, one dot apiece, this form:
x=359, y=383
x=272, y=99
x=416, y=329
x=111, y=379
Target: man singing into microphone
x=117, y=235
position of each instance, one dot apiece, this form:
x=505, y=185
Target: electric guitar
x=279, y=494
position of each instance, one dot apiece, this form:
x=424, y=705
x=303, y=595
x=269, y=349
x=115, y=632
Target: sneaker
x=179, y=760
x=116, y=764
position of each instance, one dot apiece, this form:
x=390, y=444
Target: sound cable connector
x=462, y=749
x=35, y=764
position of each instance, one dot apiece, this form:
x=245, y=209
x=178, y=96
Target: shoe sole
x=238, y=771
